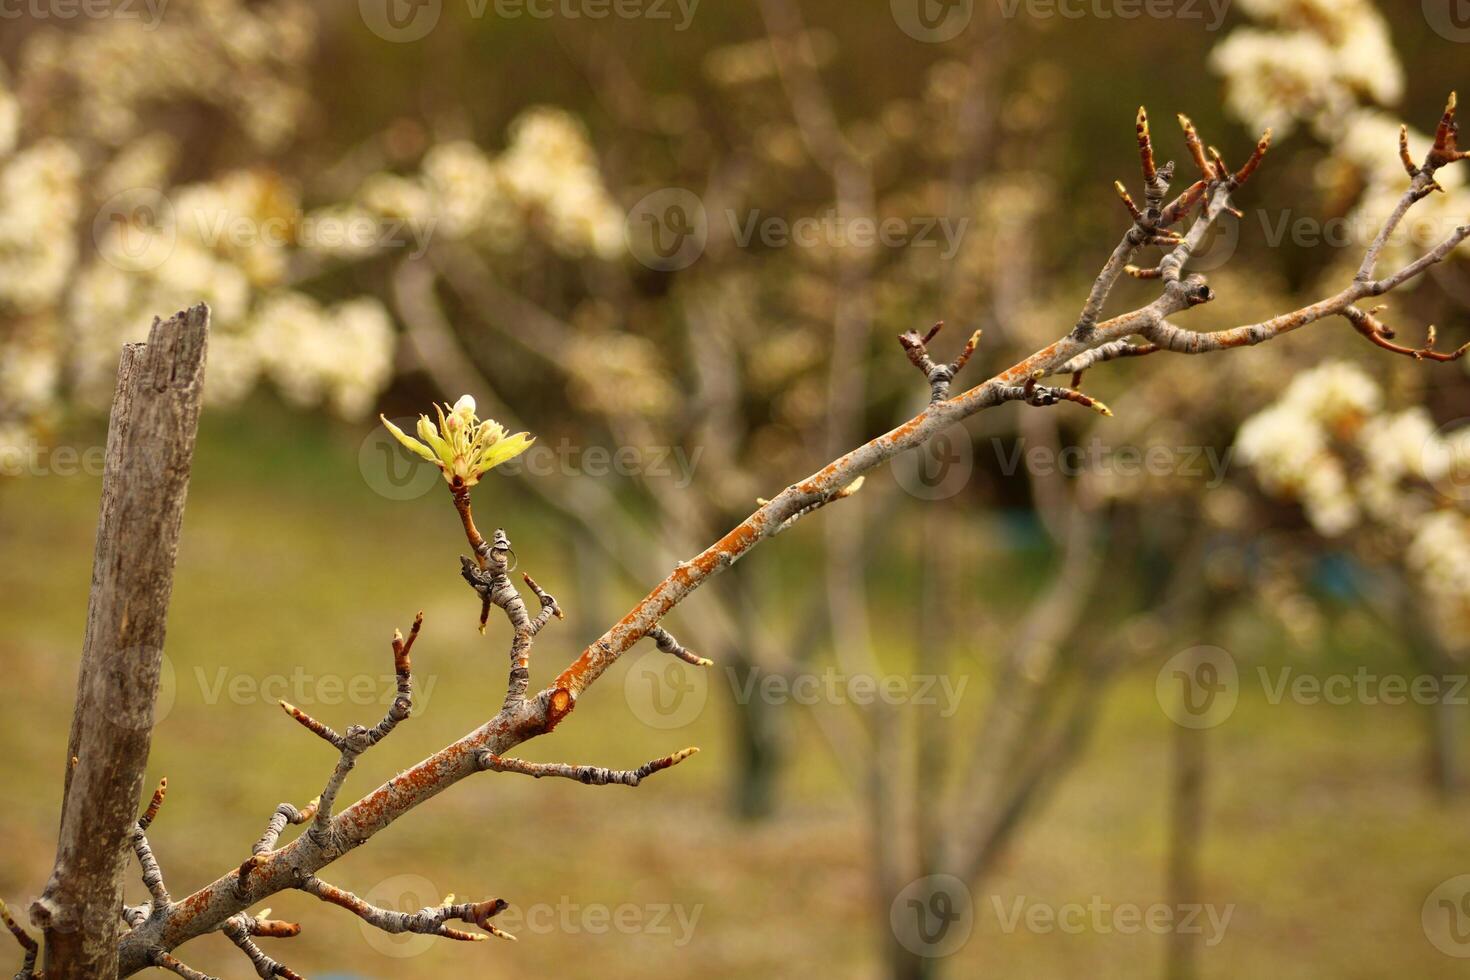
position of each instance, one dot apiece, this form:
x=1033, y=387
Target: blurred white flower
x=1405, y=444
x=9, y=120
x=1275, y=79
x=1318, y=61
x=340, y=355
x=40, y=198
x=1337, y=394
x=1282, y=443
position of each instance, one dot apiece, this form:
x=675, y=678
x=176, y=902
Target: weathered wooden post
x=150, y=450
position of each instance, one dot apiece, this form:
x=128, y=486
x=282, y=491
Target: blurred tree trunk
x=1405, y=613
x=1187, y=803
x=150, y=451
x=1186, y=834
x=1442, y=718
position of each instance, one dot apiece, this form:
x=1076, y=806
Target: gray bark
x=150, y=448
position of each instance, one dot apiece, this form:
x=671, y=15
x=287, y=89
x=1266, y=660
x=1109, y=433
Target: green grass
x=1321, y=833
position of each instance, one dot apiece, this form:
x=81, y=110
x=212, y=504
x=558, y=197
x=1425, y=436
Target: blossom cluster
x=1330, y=66
x=98, y=235
x=545, y=181
x=1330, y=443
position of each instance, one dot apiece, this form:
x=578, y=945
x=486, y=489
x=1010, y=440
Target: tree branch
x=526, y=716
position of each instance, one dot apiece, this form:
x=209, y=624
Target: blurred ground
x=1321, y=832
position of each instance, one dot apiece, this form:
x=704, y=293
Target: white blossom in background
x=1440, y=556
x=40, y=199
x=1329, y=65
x=550, y=167
x=546, y=183
x=1329, y=444
x=1277, y=78
x=9, y=119
x=338, y=355
x=1316, y=60
x=247, y=59
x=243, y=240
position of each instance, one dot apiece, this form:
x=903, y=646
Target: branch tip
x=154, y=804
x=1145, y=146
x=27, y=942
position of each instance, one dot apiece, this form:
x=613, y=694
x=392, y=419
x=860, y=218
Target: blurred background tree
x=234, y=152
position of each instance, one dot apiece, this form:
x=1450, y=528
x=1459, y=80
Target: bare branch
x=427, y=921
x=842, y=493
x=591, y=775
x=490, y=578
x=1446, y=149
x=1101, y=355
x=171, y=963
x=285, y=814
x=152, y=874
x=239, y=929
x=1033, y=394
x=351, y=744
x=1366, y=322
x=666, y=642
x=29, y=947
x=939, y=376
x=1197, y=150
